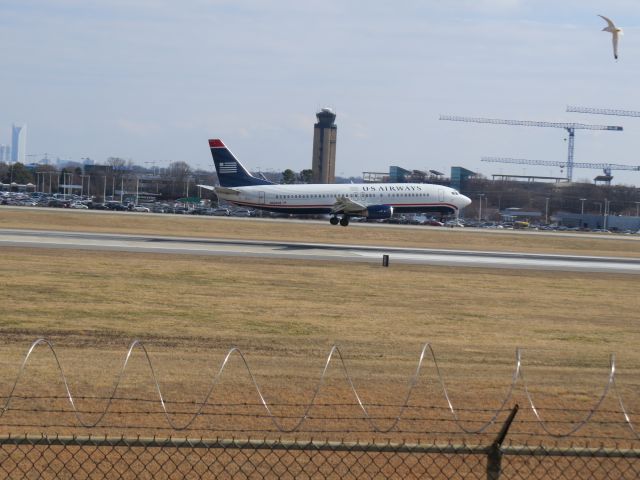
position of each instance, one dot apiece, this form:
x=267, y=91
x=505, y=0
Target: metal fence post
x=494, y=456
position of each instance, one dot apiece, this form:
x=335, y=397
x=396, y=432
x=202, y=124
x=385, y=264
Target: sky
x=152, y=80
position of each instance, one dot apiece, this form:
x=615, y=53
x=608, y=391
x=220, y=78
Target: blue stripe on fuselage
x=324, y=209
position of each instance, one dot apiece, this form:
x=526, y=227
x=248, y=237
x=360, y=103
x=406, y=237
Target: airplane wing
x=346, y=205
x=226, y=191
x=207, y=187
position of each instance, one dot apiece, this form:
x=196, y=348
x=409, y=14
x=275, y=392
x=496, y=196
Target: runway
x=314, y=251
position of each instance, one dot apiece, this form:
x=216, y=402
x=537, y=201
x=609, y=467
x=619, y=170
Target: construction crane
x=606, y=167
x=569, y=127
x=603, y=111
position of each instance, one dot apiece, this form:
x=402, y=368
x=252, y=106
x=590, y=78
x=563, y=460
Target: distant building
x=18, y=143
x=614, y=223
x=459, y=176
x=375, y=177
x=323, y=163
x=514, y=214
x=402, y=175
x=398, y=174
x=5, y=153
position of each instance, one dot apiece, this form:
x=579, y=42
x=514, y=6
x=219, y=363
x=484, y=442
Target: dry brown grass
x=402, y=236
x=285, y=315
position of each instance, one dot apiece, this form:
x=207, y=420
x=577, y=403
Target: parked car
x=79, y=205
x=454, y=223
x=432, y=222
x=160, y=208
x=97, y=206
x=116, y=206
x=140, y=208
x=242, y=212
x=221, y=212
x=200, y=211
x=55, y=202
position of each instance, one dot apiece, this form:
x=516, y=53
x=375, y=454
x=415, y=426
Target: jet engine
x=379, y=212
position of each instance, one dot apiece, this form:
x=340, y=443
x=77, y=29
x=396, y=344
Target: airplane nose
x=465, y=201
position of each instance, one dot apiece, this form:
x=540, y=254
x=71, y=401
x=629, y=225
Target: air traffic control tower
x=324, y=147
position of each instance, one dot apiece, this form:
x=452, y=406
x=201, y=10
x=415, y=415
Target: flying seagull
x=615, y=33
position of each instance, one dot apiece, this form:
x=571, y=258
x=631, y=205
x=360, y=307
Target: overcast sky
x=152, y=80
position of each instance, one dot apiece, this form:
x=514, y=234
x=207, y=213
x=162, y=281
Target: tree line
x=179, y=179
x=574, y=197
x=118, y=175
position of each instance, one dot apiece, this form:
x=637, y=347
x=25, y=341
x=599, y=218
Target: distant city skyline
x=152, y=81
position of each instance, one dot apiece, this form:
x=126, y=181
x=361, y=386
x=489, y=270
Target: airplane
x=375, y=201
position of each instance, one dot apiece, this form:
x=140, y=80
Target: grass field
x=286, y=315
x=402, y=236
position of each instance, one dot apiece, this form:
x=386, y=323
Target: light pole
x=582, y=224
x=480, y=195
x=637, y=209
x=606, y=212
x=104, y=193
x=546, y=210
x=67, y=181
x=82, y=177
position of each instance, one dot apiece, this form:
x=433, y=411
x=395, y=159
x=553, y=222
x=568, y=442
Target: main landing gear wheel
x=334, y=220
x=344, y=221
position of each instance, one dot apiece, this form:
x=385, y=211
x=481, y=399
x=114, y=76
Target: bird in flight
x=615, y=33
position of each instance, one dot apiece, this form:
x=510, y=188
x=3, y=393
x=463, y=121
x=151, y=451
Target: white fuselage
x=320, y=198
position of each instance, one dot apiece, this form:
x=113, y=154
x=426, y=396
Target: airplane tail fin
x=230, y=171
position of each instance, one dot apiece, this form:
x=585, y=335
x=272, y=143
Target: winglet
x=216, y=143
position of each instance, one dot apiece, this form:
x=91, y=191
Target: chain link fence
x=75, y=457
x=512, y=449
